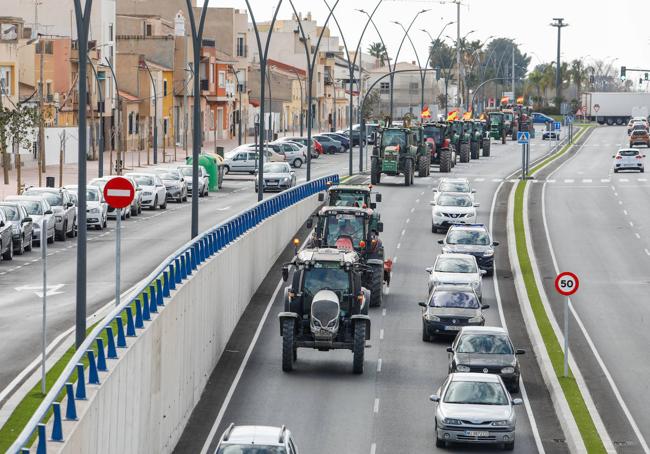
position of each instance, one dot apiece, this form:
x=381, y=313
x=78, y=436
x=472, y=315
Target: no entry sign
x=567, y=283
x=119, y=192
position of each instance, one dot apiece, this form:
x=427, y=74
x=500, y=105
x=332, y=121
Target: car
x=6, y=238
x=639, y=137
x=541, y=118
x=316, y=147
x=474, y=239
x=628, y=159
x=174, y=182
x=629, y=126
x=247, y=159
x=551, y=135
x=204, y=179
x=448, y=309
x=39, y=210
x=461, y=185
x=488, y=350
x=256, y=440
x=330, y=145
x=278, y=176
x=345, y=141
x=96, y=206
x=474, y=408
x=456, y=269
x=21, y=226
x=452, y=208
x=65, y=213
x=111, y=213
x=154, y=193
x=293, y=153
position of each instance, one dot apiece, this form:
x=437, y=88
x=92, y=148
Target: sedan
x=278, y=176
x=488, y=350
x=6, y=238
x=448, y=309
x=96, y=206
x=154, y=194
x=471, y=239
x=452, y=208
x=65, y=213
x=40, y=211
x=126, y=212
x=461, y=185
x=203, y=183
x=551, y=135
x=345, y=141
x=474, y=408
x=174, y=184
x=316, y=148
x=293, y=153
x=330, y=145
x=21, y=226
x=456, y=269
x=628, y=159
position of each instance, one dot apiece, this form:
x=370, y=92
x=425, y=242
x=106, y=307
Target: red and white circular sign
x=119, y=192
x=567, y=283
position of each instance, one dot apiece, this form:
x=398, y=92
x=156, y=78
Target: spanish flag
x=467, y=115
x=453, y=115
x=520, y=101
x=426, y=113
x=505, y=100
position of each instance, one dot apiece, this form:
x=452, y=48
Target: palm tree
x=579, y=74
x=548, y=79
x=378, y=51
x=535, y=79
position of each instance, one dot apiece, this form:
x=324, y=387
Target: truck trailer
x=615, y=108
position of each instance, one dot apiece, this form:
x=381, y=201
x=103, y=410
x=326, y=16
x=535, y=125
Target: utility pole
x=41, y=107
x=513, y=73
x=459, y=93
x=559, y=24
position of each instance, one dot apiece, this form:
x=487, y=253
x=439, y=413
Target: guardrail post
x=165, y=285
x=41, y=448
x=183, y=267
x=193, y=258
x=130, y=326
x=159, y=293
x=139, y=317
x=153, y=307
x=172, y=276
x=101, y=355
x=93, y=375
x=177, y=269
x=81, y=383
x=24, y=451
x=200, y=252
x=71, y=408
x=121, y=340
x=188, y=262
x=57, y=428
x=111, y=352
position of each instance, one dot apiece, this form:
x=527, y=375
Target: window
x=137, y=123
x=165, y=126
x=6, y=73
x=384, y=88
x=222, y=79
x=148, y=30
x=164, y=87
x=110, y=32
x=414, y=88
x=211, y=73
x=46, y=47
x=131, y=123
x=241, y=46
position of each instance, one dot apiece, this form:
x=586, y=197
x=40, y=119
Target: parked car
x=278, y=176
x=65, y=213
x=246, y=160
x=96, y=206
x=154, y=194
x=6, y=238
x=174, y=183
x=126, y=212
x=204, y=179
x=39, y=210
x=629, y=159
x=21, y=226
x=292, y=153
x=256, y=440
x=345, y=141
x=316, y=147
x=330, y=145
x=448, y=309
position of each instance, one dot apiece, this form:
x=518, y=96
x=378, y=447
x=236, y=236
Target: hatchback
x=448, y=309
x=629, y=159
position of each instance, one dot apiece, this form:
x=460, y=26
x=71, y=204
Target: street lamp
x=239, y=87
x=144, y=65
x=559, y=24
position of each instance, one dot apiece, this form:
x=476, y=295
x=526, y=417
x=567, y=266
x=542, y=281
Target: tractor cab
x=359, y=196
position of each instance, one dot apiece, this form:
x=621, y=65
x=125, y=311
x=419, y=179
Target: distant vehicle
x=174, y=183
x=461, y=185
x=551, y=135
x=246, y=160
x=463, y=397
x=615, y=107
x=540, y=118
x=345, y=141
x=21, y=226
x=154, y=193
x=39, y=210
x=204, y=179
x=65, y=213
x=629, y=159
x=6, y=238
x=452, y=208
x=486, y=349
x=278, y=176
x=96, y=206
x=448, y=309
x=256, y=440
x=316, y=148
x=471, y=239
x=456, y=269
x=329, y=144
x=101, y=183
x=640, y=137
x=292, y=152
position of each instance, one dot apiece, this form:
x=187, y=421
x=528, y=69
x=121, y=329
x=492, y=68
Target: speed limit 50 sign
x=567, y=283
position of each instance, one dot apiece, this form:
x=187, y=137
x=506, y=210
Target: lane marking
x=620, y=202
x=381, y=334
x=479, y=179
x=394, y=260
x=586, y=180
x=647, y=252
x=625, y=212
x=408, y=220
x=403, y=232
x=605, y=180
x=412, y=209
x=373, y=448
x=623, y=180
x=379, y=365
x=398, y=245
x=383, y=311
x=375, y=407
x=631, y=224
x=637, y=235
x=569, y=180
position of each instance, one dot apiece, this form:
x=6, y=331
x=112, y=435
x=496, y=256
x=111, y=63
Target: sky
x=597, y=29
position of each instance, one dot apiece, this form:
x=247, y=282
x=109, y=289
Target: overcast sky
x=597, y=29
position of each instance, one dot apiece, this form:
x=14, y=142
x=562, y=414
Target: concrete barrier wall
x=148, y=395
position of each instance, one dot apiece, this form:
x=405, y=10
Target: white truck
x=615, y=107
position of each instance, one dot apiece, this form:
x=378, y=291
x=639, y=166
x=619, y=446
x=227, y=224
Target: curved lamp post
x=155, y=116
x=239, y=87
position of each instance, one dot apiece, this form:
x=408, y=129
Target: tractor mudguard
x=362, y=318
x=375, y=262
x=285, y=315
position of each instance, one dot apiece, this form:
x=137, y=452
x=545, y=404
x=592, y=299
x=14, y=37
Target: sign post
x=119, y=193
x=566, y=284
x=44, y=337
x=523, y=137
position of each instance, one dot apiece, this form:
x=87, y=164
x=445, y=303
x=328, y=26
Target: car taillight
x=639, y=157
x=619, y=157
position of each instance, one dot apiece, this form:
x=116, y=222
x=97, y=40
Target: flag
x=453, y=115
x=520, y=100
x=426, y=113
x=505, y=100
x=467, y=115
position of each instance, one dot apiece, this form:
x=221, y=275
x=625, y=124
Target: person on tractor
x=343, y=227
x=397, y=140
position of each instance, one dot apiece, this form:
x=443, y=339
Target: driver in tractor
x=341, y=227
x=397, y=141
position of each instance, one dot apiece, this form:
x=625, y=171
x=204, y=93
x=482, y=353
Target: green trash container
x=211, y=166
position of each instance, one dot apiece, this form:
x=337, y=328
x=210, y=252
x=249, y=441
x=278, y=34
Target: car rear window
x=639, y=132
x=628, y=152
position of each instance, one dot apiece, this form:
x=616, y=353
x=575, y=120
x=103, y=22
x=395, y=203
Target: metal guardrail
x=147, y=298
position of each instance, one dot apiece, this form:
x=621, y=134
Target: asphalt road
x=385, y=410
x=146, y=240
x=599, y=227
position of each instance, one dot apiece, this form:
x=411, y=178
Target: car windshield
x=11, y=212
x=452, y=299
x=393, y=137
x=447, y=200
x=493, y=344
x=345, y=225
x=144, y=180
x=455, y=265
x=323, y=138
x=251, y=449
x=462, y=236
x=325, y=276
x=454, y=186
x=434, y=133
x=32, y=207
x=186, y=171
x=639, y=132
x=348, y=198
x=475, y=393
x=168, y=176
x=53, y=198
x=628, y=152
x=276, y=168
x=92, y=195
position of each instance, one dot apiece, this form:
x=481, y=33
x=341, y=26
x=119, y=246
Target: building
x=12, y=41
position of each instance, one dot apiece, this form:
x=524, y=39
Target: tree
x=16, y=126
x=378, y=51
x=372, y=105
x=579, y=74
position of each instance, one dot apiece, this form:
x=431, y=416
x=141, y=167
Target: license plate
x=452, y=328
x=475, y=433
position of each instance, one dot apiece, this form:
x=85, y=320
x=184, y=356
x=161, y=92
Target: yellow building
x=167, y=122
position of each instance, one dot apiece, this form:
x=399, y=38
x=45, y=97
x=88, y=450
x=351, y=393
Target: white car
x=456, y=269
x=295, y=154
x=39, y=210
x=154, y=193
x=452, y=208
x=126, y=212
x=204, y=179
x=629, y=159
x=461, y=185
x=96, y=206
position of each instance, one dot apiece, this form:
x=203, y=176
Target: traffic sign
x=557, y=125
x=523, y=137
x=567, y=283
x=596, y=107
x=119, y=192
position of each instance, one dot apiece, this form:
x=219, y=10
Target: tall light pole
x=239, y=87
x=559, y=24
x=461, y=73
x=100, y=168
x=144, y=65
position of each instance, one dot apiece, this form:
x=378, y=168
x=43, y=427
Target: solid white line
x=381, y=334
x=375, y=408
x=373, y=448
x=379, y=365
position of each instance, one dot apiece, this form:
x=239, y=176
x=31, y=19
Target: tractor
x=484, y=136
x=461, y=139
x=439, y=144
x=511, y=124
x=496, y=120
x=356, y=195
x=351, y=228
x=395, y=153
x=476, y=138
x=424, y=156
x=325, y=306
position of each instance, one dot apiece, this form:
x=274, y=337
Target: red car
x=317, y=146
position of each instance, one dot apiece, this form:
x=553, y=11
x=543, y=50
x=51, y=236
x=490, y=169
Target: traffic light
x=623, y=73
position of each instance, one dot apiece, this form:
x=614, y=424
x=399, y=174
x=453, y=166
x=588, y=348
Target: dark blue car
x=345, y=141
x=541, y=118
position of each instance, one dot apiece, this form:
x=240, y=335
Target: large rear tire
x=445, y=161
x=359, y=347
x=474, y=150
x=408, y=176
x=376, y=285
x=464, y=152
x=288, y=344
x=486, y=147
x=514, y=133
x=375, y=172
x=423, y=166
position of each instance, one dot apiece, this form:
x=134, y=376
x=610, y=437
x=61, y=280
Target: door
x=251, y=162
x=239, y=162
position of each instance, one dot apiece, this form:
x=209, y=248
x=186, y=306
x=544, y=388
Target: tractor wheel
x=486, y=147
x=474, y=150
x=375, y=172
x=359, y=347
x=454, y=156
x=514, y=134
x=445, y=161
x=503, y=136
x=423, y=166
x=288, y=344
x=408, y=177
x=464, y=152
x=376, y=285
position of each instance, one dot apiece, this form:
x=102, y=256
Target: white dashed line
x=647, y=252
x=373, y=448
x=383, y=311
x=586, y=180
x=412, y=210
x=551, y=181
x=616, y=193
x=625, y=212
x=637, y=235
x=569, y=180
x=408, y=220
x=381, y=334
x=497, y=180
x=375, y=408
x=642, y=179
x=605, y=180
x=399, y=245
x=479, y=179
x=631, y=224
x=394, y=260
x=35, y=260
x=623, y=180
x=422, y=193
x=403, y=232
x=379, y=365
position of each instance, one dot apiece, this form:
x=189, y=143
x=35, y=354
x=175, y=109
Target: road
x=599, y=228
x=386, y=409
x=146, y=240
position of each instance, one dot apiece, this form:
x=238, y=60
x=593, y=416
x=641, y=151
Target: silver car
x=278, y=176
x=204, y=179
x=21, y=226
x=126, y=212
x=154, y=194
x=292, y=152
x=474, y=408
x=96, y=207
x=65, y=213
x=256, y=439
x=39, y=210
x=456, y=269
x=174, y=184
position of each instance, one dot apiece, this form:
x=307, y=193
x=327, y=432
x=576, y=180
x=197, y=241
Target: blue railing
x=146, y=298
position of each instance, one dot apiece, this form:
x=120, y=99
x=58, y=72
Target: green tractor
x=476, y=138
x=395, y=153
x=424, y=157
x=460, y=138
x=436, y=137
x=484, y=137
x=353, y=195
x=497, y=123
